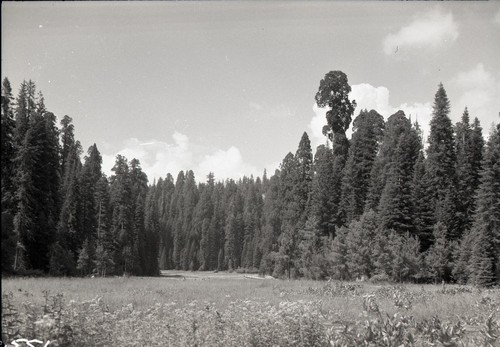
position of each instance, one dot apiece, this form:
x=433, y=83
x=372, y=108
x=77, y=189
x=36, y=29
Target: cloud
x=429, y=29
x=478, y=90
x=158, y=158
x=226, y=163
x=371, y=98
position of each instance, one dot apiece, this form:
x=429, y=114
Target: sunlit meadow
x=240, y=311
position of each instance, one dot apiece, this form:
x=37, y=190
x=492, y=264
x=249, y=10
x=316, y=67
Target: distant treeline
x=376, y=206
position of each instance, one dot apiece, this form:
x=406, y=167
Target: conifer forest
x=385, y=204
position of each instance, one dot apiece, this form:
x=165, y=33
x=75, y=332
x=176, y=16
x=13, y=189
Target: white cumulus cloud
x=428, y=29
x=227, y=164
x=158, y=158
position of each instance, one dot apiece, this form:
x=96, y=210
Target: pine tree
x=106, y=243
x=271, y=223
x=90, y=175
x=359, y=245
x=25, y=102
x=323, y=198
x=469, y=144
x=165, y=205
x=338, y=255
x=303, y=179
x=216, y=236
x=234, y=233
x=69, y=229
x=67, y=140
x=37, y=180
x=423, y=220
x=396, y=203
x=396, y=125
x=312, y=259
x=441, y=158
x=152, y=230
x=84, y=262
x=7, y=172
x=485, y=256
x=367, y=133
x=203, y=217
x=295, y=188
x=7, y=145
x=189, y=258
x=121, y=214
x=138, y=237
x=406, y=264
x=439, y=255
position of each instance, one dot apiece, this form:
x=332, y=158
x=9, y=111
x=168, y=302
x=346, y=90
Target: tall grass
x=237, y=312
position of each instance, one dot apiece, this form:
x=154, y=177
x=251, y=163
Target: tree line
x=379, y=205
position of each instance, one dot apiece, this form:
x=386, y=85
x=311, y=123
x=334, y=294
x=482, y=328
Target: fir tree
x=7, y=173
x=367, y=133
x=338, y=255
x=469, y=145
x=359, y=246
x=122, y=214
x=423, y=220
x=439, y=255
x=396, y=125
x=485, y=255
x=396, y=204
x=441, y=160
x=323, y=198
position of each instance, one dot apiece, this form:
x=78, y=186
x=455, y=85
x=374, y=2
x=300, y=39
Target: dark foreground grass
x=237, y=311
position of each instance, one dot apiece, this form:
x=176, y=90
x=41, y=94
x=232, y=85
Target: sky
x=228, y=87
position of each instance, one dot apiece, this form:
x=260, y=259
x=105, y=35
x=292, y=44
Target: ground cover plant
x=239, y=311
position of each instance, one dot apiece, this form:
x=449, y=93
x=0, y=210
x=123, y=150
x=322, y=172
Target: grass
x=203, y=310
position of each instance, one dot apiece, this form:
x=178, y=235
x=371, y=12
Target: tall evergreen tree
x=396, y=125
x=37, y=181
x=7, y=145
x=424, y=218
x=122, y=214
x=439, y=255
x=7, y=172
x=25, y=108
x=152, y=229
x=296, y=177
x=396, y=207
x=323, y=198
x=367, y=134
x=90, y=175
x=203, y=218
x=469, y=144
x=333, y=93
x=165, y=203
x=69, y=229
x=441, y=158
x=67, y=141
x=271, y=223
x=485, y=255
x=234, y=232
x=189, y=258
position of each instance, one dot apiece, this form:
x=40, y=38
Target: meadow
x=206, y=309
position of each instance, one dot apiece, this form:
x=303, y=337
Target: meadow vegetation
x=237, y=311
